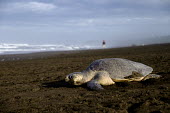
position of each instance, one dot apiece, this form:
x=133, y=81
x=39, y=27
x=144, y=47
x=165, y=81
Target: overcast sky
x=57, y=21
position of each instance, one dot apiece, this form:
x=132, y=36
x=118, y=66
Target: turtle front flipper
x=94, y=85
x=100, y=78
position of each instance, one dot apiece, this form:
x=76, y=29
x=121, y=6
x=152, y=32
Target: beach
x=34, y=83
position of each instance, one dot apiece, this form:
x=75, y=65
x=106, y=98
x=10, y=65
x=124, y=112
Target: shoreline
x=46, y=54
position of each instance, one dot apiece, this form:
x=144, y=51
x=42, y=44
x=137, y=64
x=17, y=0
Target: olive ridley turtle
x=110, y=70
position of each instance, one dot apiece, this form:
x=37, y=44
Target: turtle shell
x=119, y=68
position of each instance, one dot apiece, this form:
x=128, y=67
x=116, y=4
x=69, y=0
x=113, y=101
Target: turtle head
x=75, y=78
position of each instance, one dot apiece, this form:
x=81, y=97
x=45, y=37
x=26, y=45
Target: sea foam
x=6, y=48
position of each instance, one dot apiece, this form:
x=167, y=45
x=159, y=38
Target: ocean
x=7, y=48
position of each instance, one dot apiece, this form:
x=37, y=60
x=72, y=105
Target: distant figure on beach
x=104, y=44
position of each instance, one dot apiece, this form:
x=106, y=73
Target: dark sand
x=33, y=83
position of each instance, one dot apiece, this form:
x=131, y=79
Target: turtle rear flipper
x=134, y=75
x=151, y=76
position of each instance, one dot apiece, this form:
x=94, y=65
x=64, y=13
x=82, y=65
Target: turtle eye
x=70, y=77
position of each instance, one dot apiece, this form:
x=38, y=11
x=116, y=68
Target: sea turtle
x=110, y=70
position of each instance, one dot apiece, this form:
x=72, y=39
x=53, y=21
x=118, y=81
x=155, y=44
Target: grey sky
x=57, y=21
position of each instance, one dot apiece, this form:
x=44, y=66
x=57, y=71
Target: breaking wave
x=6, y=48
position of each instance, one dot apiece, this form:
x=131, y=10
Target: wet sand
x=34, y=83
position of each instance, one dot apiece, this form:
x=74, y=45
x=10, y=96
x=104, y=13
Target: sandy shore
x=34, y=83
